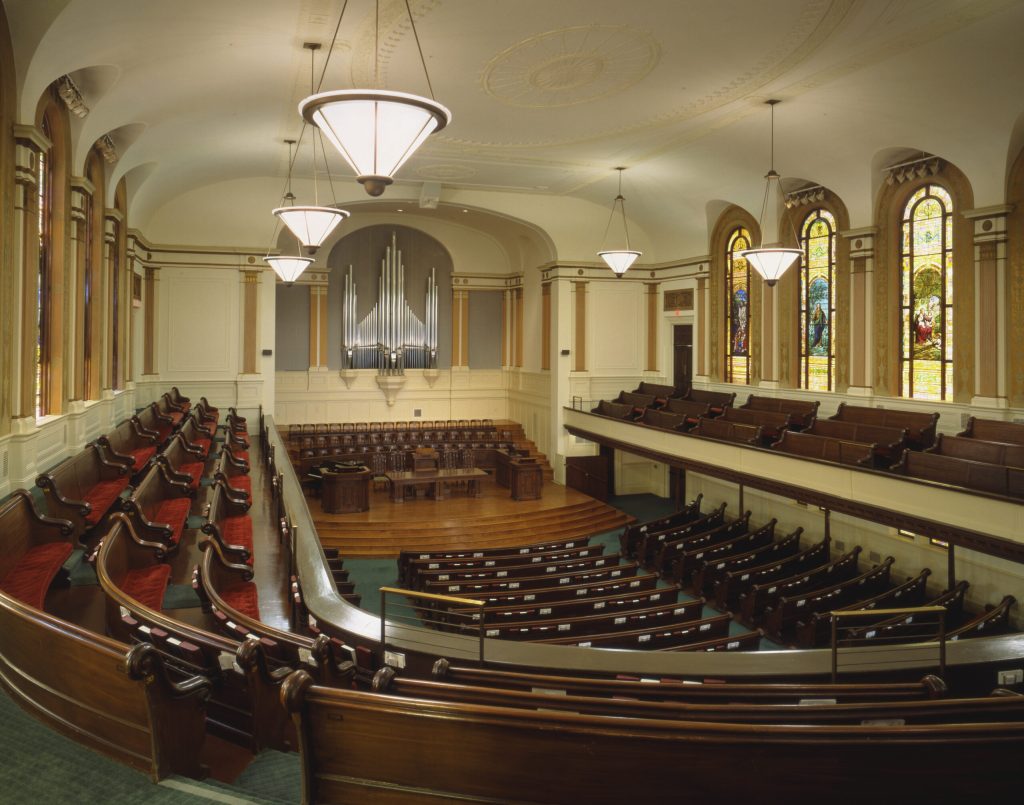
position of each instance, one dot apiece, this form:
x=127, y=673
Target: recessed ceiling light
x=465, y=210
x=399, y=210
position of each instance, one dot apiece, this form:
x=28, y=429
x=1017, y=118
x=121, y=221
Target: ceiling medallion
x=570, y=66
x=446, y=172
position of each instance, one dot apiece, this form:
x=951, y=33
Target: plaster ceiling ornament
x=376, y=130
x=446, y=172
x=571, y=66
x=771, y=258
x=619, y=260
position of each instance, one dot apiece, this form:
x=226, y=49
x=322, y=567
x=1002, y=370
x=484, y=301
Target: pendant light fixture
x=288, y=267
x=618, y=260
x=771, y=259
x=312, y=225
x=376, y=130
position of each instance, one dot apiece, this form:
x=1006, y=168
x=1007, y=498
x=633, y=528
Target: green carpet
x=274, y=776
x=195, y=521
x=45, y=768
x=80, y=572
x=180, y=596
x=369, y=576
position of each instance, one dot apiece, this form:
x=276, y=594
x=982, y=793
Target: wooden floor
x=491, y=520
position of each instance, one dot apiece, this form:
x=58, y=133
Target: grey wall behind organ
x=364, y=250
x=291, y=335
x=485, y=329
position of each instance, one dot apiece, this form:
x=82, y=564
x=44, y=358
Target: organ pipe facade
x=391, y=337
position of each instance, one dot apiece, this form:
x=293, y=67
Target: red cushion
x=162, y=432
x=142, y=455
x=193, y=471
x=242, y=483
x=102, y=496
x=174, y=512
x=147, y=585
x=175, y=416
x=237, y=531
x=203, y=445
x=30, y=578
x=240, y=455
x=243, y=598
x=185, y=406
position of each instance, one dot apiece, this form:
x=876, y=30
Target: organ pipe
x=390, y=337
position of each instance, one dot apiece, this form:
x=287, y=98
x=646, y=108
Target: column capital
x=989, y=222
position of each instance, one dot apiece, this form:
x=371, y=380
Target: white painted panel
x=200, y=316
x=615, y=327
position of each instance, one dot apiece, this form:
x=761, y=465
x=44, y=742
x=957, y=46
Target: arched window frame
x=813, y=268
x=737, y=314
x=917, y=321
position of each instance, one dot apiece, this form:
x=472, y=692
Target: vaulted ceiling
x=547, y=97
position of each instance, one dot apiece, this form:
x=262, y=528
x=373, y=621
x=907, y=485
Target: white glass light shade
x=311, y=225
x=771, y=263
x=289, y=268
x=619, y=260
x=376, y=131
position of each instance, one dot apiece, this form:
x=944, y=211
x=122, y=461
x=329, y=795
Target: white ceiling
x=548, y=96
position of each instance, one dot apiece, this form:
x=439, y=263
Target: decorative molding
x=678, y=300
x=68, y=91
x=918, y=168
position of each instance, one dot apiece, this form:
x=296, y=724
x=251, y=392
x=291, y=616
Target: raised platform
x=491, y=520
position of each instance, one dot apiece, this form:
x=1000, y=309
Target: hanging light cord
x=768, y=181
x=423, y=61
x=619, y=200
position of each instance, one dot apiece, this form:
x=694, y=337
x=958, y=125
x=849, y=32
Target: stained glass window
x=44, y=201
x=926, y=295
x=817, y=301
x=737, y=309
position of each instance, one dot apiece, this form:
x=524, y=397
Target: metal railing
x=439, y=617
x=872, y=635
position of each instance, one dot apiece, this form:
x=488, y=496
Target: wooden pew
x=115, y=699
x=613, y=409
x=184, y=465
x=660, y=391
x=151, y=422
x=760, y=597
x=772, y=423
x=994, y=620
x=672, y=689
x=889, y=442
x=245, y=700
x=745, y=641
x=447, y=574
x=718, y=400
x=784, y=613
x=179, y=399
x=713, y=566
x=816, y=630
x=802, y=412
x=652, y=541
x=603, y=589
x=994, y=430
x=355, y=745
x=826, y=448
x=619, y=603
x=229, y=526
x=544, y=580
x=672, y=550
x=128, y=443
x=227, y=590
x=416, y=567
x=903, y=625
x=638, y=402
x=735, y=582
x=991, y=478
x=725, y=431
x=690, y=409
x=974, y=449
x=158, y=509
x=664, y=420
x=668, y=636
x=33, y=550
x=632, y=535
x=991, y=709
x=688, y=568
x=198, y=436
x=405, y=557
x=920, y=426
x=83, y=488
x=596, y=623
x=234, y=473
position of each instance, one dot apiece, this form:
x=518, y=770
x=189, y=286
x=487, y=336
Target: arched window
x=44, y=189
x=737, y=308
x=926, y=295
x=817, y=301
